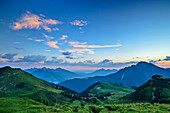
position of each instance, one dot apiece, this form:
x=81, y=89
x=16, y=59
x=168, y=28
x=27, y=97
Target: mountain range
x=17, y=83
x=52, y=75
x=59, y=75
x=134, y=75
x=101, y=72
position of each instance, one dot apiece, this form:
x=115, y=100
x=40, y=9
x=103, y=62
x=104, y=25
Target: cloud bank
x=83, y=45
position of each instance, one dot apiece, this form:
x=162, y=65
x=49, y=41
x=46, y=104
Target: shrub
x=132, y=109
x=95, y=109
x=112, y=108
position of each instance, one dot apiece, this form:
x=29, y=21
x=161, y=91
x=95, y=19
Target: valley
x=19, y=86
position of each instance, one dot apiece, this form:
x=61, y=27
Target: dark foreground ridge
x=157, y=89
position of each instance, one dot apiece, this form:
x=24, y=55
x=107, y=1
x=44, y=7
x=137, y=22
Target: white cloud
x=63, y=37
x=81, y=50
x=48, y=50
x=76, y=43
x=42, y=15
x=33, y=21
x=37, y=40
x=79, y=23
x=48, y=37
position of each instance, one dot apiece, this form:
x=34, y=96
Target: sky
x=84, y=34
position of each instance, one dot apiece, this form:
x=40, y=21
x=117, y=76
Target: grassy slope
x=25, y=105
x=17, y=83
x=108, y=87
x=158, y=86
x=105, y=93
x=11, y=105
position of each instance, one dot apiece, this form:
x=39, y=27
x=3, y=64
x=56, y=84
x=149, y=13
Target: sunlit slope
x=17, y=83
x=105, y=93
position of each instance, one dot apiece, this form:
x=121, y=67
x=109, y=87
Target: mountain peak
x=59, y=68
x=142, y=63
x=156, y=76
x=101, y=69
x=7, y=67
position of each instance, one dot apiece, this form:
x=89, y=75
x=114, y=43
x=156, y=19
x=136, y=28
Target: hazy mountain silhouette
x=52, y=75
x=134, y=75
x=101, y=72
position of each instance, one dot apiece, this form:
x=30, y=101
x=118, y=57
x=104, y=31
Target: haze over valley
x=84, y=56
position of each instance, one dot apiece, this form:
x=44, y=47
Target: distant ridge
x=134, y=75
x=52, y=75
x=102, y=72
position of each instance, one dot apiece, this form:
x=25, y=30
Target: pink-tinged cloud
x=63, y=37
x=30, y=39
x=3, y=60
x=79, y=23
x=76, y=43
x=48, y=37
x=61, y=50
x=42, y=15
x=164, y=64
x=83, y=45
x=53, y=44
x=56, y=29
x=62, y=56
x=37, y=40
x=80, y=28
x=33, y=21
x=48, y=50
x=81, y=50
x=96, y=46
x=41, y=62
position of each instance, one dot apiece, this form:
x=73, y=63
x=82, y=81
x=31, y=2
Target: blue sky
x=84, y=35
